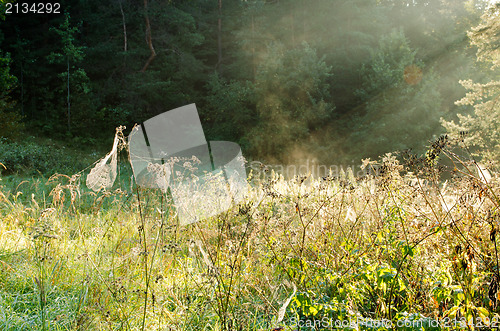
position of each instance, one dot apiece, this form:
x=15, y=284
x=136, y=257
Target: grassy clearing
x=302, y=253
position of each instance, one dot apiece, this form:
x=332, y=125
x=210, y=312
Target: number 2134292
x=32, y=8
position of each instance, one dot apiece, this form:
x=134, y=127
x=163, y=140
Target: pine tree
x=71, y=55
x=482, y=127
x=290, y=103
x=10, y=121
x=403, y=103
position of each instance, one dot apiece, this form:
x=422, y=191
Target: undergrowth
x=398, y=248
x=32, y=157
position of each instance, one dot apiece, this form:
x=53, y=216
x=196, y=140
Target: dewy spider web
x=169, y=151
x=103, y=174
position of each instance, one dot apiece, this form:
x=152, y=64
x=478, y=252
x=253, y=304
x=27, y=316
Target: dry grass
x=401, y=245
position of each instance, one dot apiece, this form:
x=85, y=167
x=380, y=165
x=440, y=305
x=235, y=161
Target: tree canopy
x=333, y=79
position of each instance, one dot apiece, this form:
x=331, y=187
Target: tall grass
x=307, y=253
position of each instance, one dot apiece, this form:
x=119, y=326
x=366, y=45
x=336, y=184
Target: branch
x=124, y=27
x=149, y=41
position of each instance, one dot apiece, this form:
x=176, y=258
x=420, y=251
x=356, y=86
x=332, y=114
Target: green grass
x=393, y=247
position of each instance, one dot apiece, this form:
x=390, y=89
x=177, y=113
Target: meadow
x=398, y=248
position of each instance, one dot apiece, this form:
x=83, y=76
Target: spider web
x=103, y=174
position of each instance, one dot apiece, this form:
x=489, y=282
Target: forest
x=287, y=80
x=397, y=100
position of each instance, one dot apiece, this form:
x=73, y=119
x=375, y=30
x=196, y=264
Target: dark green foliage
x=74, y=78
x=290, y=103
x=273, y=82
x=11, y=125
x=230, y=109
x=403, y=103
x=32, y=158
x=10, y=121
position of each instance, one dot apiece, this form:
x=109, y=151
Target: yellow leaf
x=482, y=311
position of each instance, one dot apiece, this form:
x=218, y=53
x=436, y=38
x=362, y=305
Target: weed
x=404, y=247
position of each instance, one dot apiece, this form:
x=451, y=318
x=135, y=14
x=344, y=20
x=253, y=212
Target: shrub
x=11, y=125
x=31, y=158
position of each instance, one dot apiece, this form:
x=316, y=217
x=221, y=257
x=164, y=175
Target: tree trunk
x=149, y=41
x=69, y=105
x=304, y=20
x=254, y=69
x=124, y=27
x=219, y=36
x=22, y=89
